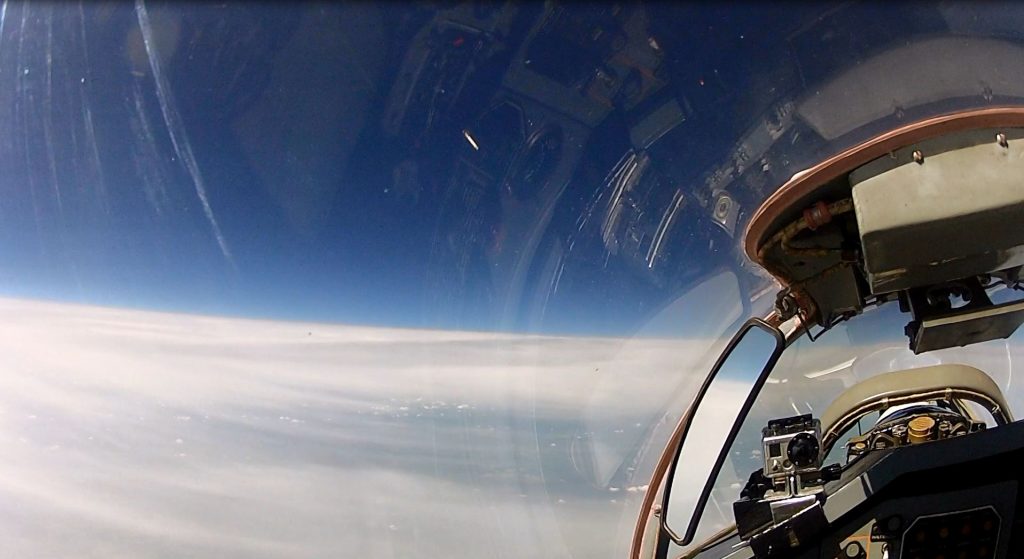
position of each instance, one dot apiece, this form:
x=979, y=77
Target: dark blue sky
x=474, y=166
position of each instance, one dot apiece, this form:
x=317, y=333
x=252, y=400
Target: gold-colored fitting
x=921, y=428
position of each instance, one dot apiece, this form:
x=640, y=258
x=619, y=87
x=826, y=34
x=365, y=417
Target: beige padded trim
x=898, y=387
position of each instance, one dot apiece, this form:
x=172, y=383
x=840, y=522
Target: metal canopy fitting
x=950, y=381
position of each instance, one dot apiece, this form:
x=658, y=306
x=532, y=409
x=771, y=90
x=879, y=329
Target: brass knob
x=921, y=428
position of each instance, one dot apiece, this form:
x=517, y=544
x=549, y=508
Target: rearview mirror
x=712, y=422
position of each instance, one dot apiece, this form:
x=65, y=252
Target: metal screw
x=1001, y=138
x=893, y=523
x=918, y=157
x=854, y=550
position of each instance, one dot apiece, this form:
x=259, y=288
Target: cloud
x=143, y=434
x=133, y=433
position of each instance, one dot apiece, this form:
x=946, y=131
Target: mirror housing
x=739, y=346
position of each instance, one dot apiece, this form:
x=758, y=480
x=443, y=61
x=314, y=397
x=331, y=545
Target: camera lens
x=802, y=450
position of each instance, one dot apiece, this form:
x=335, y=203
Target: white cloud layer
x=138, y=434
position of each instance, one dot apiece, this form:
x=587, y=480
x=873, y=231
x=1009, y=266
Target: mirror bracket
x=780, y=344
